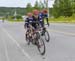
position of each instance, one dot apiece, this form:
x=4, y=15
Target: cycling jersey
x=41, y=19
x=33, y=21
x=28, y=21
x=45, y=15
x=41, y=15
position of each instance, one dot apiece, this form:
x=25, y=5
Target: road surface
x=13, y=46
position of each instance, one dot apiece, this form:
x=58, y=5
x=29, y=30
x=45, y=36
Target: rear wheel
x=27, y=39
x=47, y=36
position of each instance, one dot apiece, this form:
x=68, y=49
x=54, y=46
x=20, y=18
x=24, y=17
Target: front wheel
x=41, y=46
x=27, y=39
x=47, y=36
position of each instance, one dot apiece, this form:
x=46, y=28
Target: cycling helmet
x=45, y=11
x=35, y=12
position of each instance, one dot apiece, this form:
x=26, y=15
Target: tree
x=29, y=8
x=62, y=8
x=55, y=10
x=36, y=6
x=73, y=6
x=41, y=5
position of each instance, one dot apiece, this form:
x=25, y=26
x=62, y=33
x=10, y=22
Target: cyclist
x=36, y=18
x=41, y=16
x=31, y=22
x=46, y=16
x=28, y=24
x=28, y=20
x=3, y=19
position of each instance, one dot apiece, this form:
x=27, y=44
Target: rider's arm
x=46, y=16
x=26, y=23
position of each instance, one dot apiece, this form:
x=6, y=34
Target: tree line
x=64, y=8
x=4, y=11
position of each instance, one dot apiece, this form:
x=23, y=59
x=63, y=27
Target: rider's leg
x=43, y=27
x=47, y=21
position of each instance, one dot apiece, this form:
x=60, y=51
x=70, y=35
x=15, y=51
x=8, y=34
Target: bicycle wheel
x=27, y=39
x=41, y=46
x=47, y=36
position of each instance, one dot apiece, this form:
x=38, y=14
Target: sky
x=20, y=3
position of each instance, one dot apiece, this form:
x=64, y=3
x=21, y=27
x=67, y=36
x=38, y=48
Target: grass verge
x=62, y=20
x=17, y=20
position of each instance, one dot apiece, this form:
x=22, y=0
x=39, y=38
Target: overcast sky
x=20, y=3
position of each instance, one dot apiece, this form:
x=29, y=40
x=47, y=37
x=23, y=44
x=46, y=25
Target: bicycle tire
x=47, y=36
x=38, y=44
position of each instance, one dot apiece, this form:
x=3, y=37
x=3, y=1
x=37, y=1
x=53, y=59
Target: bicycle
x=36, y=40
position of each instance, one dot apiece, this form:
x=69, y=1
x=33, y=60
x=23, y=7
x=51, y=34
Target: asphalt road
x=13, y=46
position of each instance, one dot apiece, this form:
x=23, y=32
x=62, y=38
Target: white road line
x=63, y=24
x=66, y=33
x=6, y=50
x=23, y=51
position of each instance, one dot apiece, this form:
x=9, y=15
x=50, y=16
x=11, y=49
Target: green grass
x=62, y=20
x=52, y=20
x=12, y=20
x=0, y=18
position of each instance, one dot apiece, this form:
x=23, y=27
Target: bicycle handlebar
x=34, y=22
